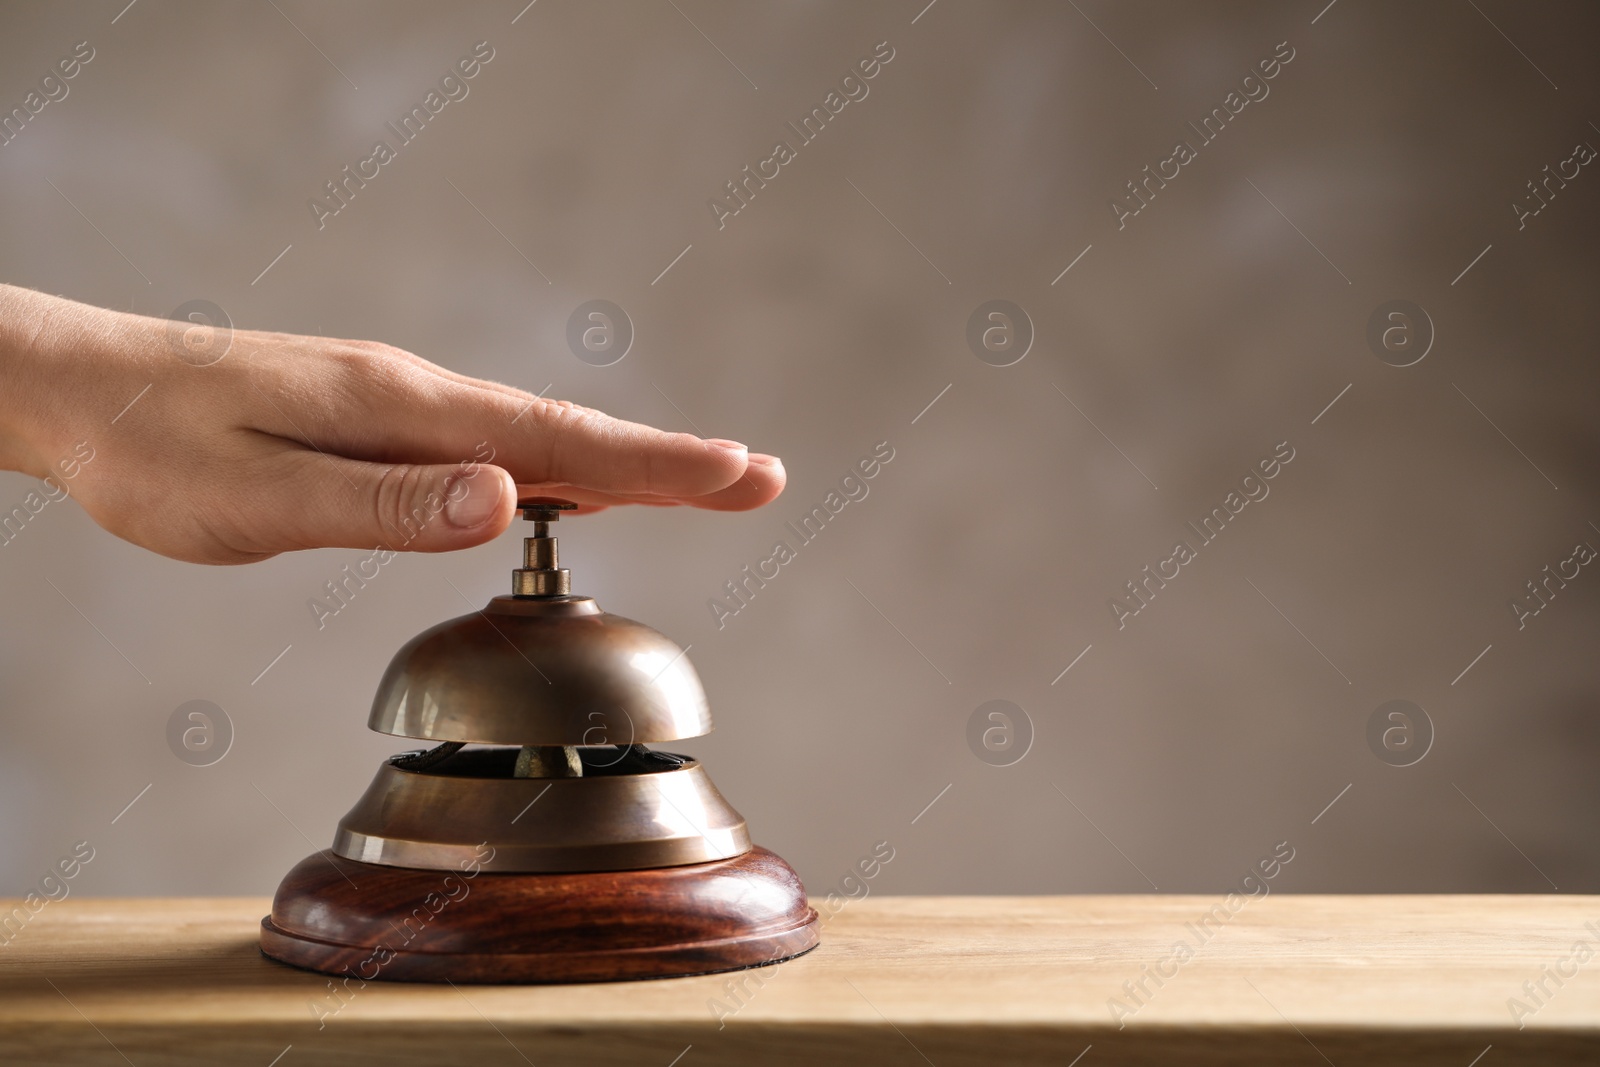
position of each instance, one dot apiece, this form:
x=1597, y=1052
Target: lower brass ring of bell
x=440, y=817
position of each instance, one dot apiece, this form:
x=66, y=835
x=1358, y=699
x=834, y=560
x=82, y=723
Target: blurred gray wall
x=1176, y=353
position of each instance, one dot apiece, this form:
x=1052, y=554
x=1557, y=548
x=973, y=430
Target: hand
x=289, y=442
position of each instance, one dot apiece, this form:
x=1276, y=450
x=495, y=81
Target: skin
x=288, y=442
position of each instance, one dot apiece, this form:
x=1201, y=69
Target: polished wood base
x=372, y=922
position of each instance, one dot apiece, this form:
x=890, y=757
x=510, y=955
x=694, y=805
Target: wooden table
x=898, y=980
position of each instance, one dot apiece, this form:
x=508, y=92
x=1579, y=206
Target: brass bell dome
x=541, y=671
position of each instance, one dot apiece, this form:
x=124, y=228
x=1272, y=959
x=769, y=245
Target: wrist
x=63, y=365
x=24, y=319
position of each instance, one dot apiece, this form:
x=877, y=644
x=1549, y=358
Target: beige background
x=1197, y=338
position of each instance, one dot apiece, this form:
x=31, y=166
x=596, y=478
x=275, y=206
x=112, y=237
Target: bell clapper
x=548, y=761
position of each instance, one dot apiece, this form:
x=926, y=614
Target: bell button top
x=541, y=508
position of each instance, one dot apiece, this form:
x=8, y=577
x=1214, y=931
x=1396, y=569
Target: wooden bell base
x=379, y=923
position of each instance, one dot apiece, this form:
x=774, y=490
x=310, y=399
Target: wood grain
x=402, y=924
x=911, y=980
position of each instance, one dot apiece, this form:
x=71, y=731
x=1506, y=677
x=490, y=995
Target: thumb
x=336, y=502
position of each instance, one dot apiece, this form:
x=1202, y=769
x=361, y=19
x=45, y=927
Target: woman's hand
x=229, y=447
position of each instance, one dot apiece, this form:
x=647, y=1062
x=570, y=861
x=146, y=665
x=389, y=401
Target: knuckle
x=367, y=358
x=369, y=379
x=386, y=355
x=553, y=416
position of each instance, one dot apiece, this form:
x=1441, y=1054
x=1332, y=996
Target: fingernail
x=726, y=446
x=470, y=501
x=758, y=459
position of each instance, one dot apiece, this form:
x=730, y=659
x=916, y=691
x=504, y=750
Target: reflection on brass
x=615, y=817
x=548, y=761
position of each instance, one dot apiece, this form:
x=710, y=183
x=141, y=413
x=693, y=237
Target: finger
x=317, y=500
x=763, y=480
x=588, y=448
x=381, y=407
x=761, y=483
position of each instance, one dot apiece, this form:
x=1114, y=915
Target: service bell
x=540, y=839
